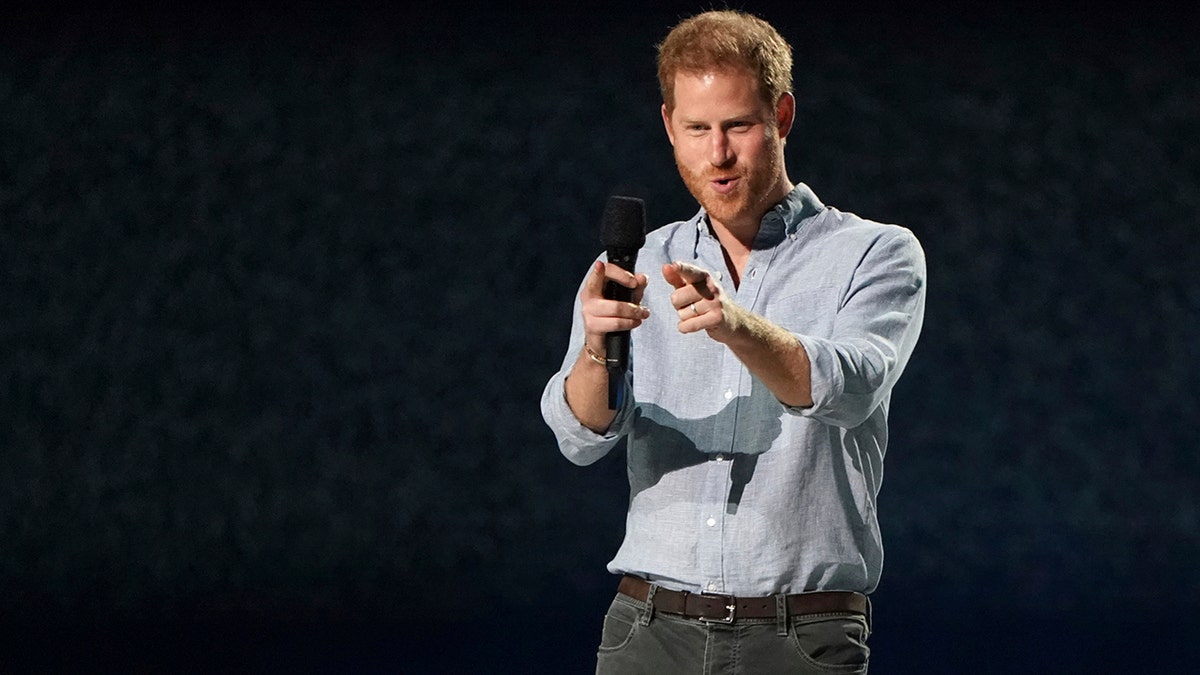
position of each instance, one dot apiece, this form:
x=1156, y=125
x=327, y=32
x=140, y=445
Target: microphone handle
x=616, y=344
x=616, y=348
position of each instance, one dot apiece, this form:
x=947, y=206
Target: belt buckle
x=730, y=605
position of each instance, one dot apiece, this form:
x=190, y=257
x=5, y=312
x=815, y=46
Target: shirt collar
x=783, y=220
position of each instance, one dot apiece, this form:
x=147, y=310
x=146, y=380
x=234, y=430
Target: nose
x=720, y=153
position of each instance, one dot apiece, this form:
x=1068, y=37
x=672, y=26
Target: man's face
x=728, y=145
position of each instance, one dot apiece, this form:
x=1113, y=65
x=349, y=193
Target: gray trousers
x=637, y=640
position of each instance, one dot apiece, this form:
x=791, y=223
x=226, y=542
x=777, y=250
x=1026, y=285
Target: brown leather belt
x=728, y=608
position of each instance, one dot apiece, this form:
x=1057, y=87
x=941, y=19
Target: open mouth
x=724, y=185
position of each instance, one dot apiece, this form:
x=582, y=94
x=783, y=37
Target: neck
x=740, y=233
x=737, y=237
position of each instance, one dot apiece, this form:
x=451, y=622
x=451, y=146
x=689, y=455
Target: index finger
x=691, y=273
x=698, y=277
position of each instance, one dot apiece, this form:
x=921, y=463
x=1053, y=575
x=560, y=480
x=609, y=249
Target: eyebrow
x=749, y=117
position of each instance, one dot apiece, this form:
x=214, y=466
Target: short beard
x=749, y=200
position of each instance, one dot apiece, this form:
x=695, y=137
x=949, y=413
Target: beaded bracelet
x=596, y=358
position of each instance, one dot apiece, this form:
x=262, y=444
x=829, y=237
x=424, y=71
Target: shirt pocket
x=810, y=311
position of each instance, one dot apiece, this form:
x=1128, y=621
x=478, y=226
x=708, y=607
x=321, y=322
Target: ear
x=785, y=113
x=667, y=124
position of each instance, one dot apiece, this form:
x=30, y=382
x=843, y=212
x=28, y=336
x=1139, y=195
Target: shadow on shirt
x=743, y=429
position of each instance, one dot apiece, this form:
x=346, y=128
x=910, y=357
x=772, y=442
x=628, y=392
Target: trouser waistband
x=728, y=608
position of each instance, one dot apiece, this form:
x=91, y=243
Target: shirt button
x=719, y=276
x=712, y=522
x=728, y=394
x=712, y=586
x=720, y=458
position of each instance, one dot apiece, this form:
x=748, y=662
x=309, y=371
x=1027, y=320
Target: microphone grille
x=624, y=223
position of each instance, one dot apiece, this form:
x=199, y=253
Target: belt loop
x=869, y=618
x=649, y=611
x=781, y=615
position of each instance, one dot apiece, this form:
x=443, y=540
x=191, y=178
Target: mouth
x=724, y=185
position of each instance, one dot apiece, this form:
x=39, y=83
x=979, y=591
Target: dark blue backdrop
x=281, y=288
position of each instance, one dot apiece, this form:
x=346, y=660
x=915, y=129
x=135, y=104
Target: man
x=763, y=356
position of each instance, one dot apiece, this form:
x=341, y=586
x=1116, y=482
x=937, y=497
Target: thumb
x=594, y=284
x=671, y=274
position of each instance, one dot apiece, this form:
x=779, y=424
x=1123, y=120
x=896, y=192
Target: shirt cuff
x=825, y=376
x=578, y=443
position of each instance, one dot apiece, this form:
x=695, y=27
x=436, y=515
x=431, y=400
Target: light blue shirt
x=732, y=491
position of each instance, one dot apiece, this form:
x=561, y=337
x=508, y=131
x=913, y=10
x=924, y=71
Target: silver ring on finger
x=694, y=310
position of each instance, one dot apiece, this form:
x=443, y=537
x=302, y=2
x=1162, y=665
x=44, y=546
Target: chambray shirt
x=731, y=491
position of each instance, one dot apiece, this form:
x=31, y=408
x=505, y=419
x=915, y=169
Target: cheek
x=690, y=156
x=753, y=147
x=690, y=147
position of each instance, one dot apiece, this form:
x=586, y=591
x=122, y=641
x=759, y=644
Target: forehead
x=710, y=89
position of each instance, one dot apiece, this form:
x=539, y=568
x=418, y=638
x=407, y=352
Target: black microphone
x=623, y=232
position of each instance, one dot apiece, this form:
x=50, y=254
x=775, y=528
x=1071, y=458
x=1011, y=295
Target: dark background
x=281, y=288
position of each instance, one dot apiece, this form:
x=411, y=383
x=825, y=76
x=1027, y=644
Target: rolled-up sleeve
x=578, y=443
x=874, y=333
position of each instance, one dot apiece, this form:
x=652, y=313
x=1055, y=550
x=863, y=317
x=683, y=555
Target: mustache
x=713, y=174
x=722, y=175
